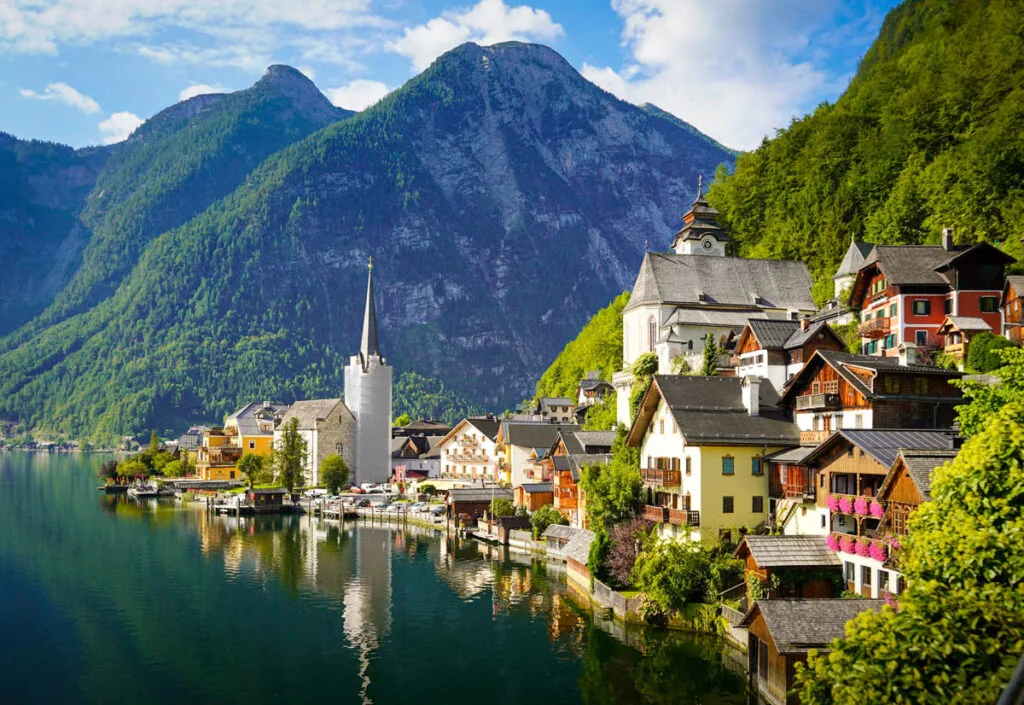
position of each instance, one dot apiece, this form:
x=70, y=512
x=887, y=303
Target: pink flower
x=844, y=505
x=877, y=551
x=846, y=544
x=832, y=503
x=877, y=510
x=860, y=506
x=891, y=600
x=895, y=543
x=832, y=542
x=862, y=548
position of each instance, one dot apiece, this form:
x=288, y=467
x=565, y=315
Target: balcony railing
x=813, y=437
x=857, y=505
x=684, y=517
x=658, y=515
x=808, y=402
x=875, y=328
x=865, y=546
x=661, y=478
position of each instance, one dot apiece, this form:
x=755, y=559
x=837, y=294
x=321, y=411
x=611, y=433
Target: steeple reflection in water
x=367, y=614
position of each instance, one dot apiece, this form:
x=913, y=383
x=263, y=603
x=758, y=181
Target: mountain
x=503, y=199
x=929, y=134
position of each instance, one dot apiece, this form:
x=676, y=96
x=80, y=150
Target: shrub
x=627, y=540
x=502, y=508
x=334, y=473
x=544, y=517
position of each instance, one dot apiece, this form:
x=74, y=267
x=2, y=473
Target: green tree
x=601, y=416
x=958, y=632
x=598, y=555
x=132, y=467
x=334, y=473
x=985, y=400
x=643, y=369
x=428, y=489
x=709, y=362
x=173, y=469
x=612, y=490
x=154, y=442
x=502, y=507
x=545, y=516
x=402, y=420
x=673, y=574
x=981, y=353
x=252, y=466
x=289, y=457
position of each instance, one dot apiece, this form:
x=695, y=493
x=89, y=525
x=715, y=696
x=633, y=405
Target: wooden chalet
x=569, y=454
x=1011, y=302
x=472, y=503
x=534, y=495
x=780, y=634
x=908, y=485
x=843, y=391
x=775, y=349
x=265, y=501
x=802, y=566
x=958, y=331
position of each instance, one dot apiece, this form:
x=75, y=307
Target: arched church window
x=652, y=333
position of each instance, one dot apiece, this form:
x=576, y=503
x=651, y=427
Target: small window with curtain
x=728, y=465
x=726, y=505
x=893, y=309
x=865, y=576
x=756, y=467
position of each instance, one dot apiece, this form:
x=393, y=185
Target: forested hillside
x=929, y=134
x=503, y=197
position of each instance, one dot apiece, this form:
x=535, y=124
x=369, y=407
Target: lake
x=103, y=599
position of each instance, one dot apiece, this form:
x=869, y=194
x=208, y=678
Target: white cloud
x=736, y=70
x=119, y=126
x=65, y=94
x=200, y=89
x=358, y=94
x=487, y=22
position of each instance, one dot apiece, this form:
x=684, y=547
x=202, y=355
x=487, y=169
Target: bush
x=173, y=469
x=627, y=541
x=981, y=353
x=544, y=517
x=502, y=508
x=599, y=548
x=672, y=574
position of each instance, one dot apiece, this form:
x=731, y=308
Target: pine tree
x=290, y=456
x=709, y=365
x=154, y=442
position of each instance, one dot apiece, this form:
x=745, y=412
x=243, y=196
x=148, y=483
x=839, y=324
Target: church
x=695, y=289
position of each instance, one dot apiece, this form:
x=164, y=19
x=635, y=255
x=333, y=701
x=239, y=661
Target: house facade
x=556, y=409
x=469, y=451
x=248, y=430
x=571, y=453
x=1011, y=303
x=956, y=333
x=328, y=427
x=775, y=350
x=703, y=443
x=520, y=443
x=905, y=292
x=592, y=390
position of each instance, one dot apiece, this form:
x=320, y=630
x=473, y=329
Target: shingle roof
x=479, y=494
x=534, y=434
x=710, y=410
x=688, y=315
x=773, y=332
x=695, y=279
x=1017, y=282
x=559, y=531
x=885, y=444
x=801, y=335
x=425, y=426
x=541, y=487
x=968, y=323
x=578, y=547
x=310, y=411
x=583, y=442
x=245, y=418
x=909, y=264
x=561, y=462
x=789, y=551
x=854, y=258
x=920, y=465
x=487, y=426
x=798, y=625
x=791, y=456
x=587, y=384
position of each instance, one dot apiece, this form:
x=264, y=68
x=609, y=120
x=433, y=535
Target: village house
x=248, y=430
x=956, y=333
x=1011, y=303
x=905, y=292
x=520, y=443
x=415, y=457
x=592, y=390
x=534, y=495
x=556, y=538
x=837, y=390
x=703, y=443
x=791, y=566
x=469, y=452
x=851, y=468
x=471, y=503
x=571, y=452
x=791, y=494
x=775, y=350
x=681, y=296
x=782, y=632
x=556, y=409
x=328, y=427
x=836, y=311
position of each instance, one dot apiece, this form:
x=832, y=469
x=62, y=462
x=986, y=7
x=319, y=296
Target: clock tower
x=700, y=234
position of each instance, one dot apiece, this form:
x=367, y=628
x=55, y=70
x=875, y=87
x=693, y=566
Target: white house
x=775, y=350
x=469, y=451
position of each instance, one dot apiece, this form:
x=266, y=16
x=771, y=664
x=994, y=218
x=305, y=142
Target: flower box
x=844, y=505
x=846, y=545
x=877, y=510
x=832, y=542
x=863, y=548
x=877, y=551
x=860, y=506
x=832, y=503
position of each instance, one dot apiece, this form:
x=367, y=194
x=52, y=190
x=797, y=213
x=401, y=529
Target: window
x=922, y=307
x=901, y=584
x=848, y=571
x=921, y=386
x=661, y=426
x=652, y=334
x=675, y=464
x=232, y=474
x=892, y=385
x=921, y=338
x=762, y=660
x=758, y=505
x=893, y=309
x=858, y=420
x=865, y=576
x=726, y=505
x=689, y=465
x=823, y=521
x=252, y=445
x=728, y=465
x=755, y=467
x=948, y=306
x=989, y=304
x=883, y=581
x=650, y=462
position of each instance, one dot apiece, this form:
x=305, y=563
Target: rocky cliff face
x=504, y=198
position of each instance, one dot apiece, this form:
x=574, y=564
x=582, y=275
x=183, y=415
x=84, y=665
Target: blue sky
x=87, y=72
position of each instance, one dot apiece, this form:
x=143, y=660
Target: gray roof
x=920, y=464
x=559, y=531
x=773, y=332
x=710, y=410
x=791, y=456
x=587, y=442
x=246, y=417
x=708, y=280
x=735, y=319
x=554, y=401
x=969, y=323
x=540, y=487
x=798, y=625
x=789, y=551
x=1017, y=282
x=912, y=265
x=534, y=434
x=479, y=494
x=801, y=335
x=854, y=258
x=578, y=547
x=487, y=426
x=311, y=411
x=578, y=462
x=588, y=383
x=370, y=343
x=885, y=444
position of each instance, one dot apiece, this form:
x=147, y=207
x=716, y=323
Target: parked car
x=378, y=503
x=362, y=502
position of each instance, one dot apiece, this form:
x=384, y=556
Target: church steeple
x=700, y=234
x=370, y=344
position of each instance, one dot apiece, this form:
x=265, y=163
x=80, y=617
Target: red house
x=906, y=292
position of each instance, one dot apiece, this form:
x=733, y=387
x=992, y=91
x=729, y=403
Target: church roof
x=667, y=278
x=854, y=258
x=370, y=344
x=310, y=411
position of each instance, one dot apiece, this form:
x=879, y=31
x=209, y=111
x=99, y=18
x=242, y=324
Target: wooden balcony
x=813, y=402
x=856, y=505
x=813, y=438
x=661, y=478
x=659, y=515
x=875, y=328
x=684, y=517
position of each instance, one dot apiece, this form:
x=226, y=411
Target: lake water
x=109, y=601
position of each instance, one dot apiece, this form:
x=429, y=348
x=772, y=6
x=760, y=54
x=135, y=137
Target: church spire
x=370, y=344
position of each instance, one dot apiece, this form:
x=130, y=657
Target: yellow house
x=702, y=444
x=248, y=430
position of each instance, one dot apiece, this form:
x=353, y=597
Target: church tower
x=368, y=380
x=701, y=234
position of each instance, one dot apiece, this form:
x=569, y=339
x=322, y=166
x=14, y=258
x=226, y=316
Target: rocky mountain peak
x=296, y=86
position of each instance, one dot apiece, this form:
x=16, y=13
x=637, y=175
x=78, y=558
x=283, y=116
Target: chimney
x=907, y=353
x=947, y=239
x=751, y=394
x=804, y=323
